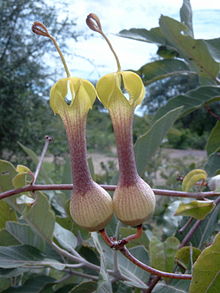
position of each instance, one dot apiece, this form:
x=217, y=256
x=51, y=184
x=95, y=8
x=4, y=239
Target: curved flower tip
x=40, y=29
x=72, y=93
x=113, y=87
x=94, y=23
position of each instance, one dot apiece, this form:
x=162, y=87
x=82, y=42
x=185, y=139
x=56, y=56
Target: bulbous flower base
x=92, y=209
x=133, y=204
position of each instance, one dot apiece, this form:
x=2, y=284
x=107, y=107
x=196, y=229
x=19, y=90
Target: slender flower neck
x=75, y=128
x=122, y=120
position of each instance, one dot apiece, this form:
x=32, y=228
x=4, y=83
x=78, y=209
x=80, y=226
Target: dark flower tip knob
x=94, y=23
x=40, y=29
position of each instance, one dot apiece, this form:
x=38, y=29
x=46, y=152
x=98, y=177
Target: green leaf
x=162, y=254
x=24, y=234
x=171, y=244
x=41, y=217
x=202, y=236
x=198, y=209
x=195, y=51
x=213, y=46
x=156, y=253
x=26, y=256
x=7, y=214
x=84, y=287
x=213, y=164
x=206, y=270
x=186, y=16
x=192, y=100
x=136, y=276
x=4, y=284
x=191, y=178
x=65, y=238
x=34, y=285
x=186, y=256
x=7, y=172
x=147, y=144
x=161, y=69
x=104, y=283
x=174, y=286
x=213, y=144
x=6, y=239
x=153, y=35
x=18, y=256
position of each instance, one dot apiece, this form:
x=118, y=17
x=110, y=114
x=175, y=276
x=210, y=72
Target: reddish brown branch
x=120, y=245
x=209, y=110
x=162, y=192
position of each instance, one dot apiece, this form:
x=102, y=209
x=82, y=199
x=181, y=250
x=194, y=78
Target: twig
x=151, y=270
x=87, y=276
x=216, y=116
x=160, y=192
x=152, y=284
x=120, y=245
x=190, y=233
x=182, y=229
x=48, y=139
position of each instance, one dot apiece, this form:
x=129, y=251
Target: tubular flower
x=71, y=98
x=120, y=93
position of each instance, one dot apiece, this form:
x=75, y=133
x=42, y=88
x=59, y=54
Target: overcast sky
x=95, y=59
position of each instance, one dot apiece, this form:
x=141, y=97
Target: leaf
x=191, y=178
x=213, y=46
x=171, y=244
x=24, y=234
x=198, y=209
x=65, y=238
x=6, y=239
x=192, y=100
x=213, y=164
x=162, y=254
x=104, y=283
x=26, y=256
x=18, y=256
x=156, y=253
x=186, y=16
x=186, y=256
x=41, y=217
x=136, y=276
x=161, y=69
x=206, y=270
x=195, y=51
x=213, y=144
x=147, y=144
x=84, y=287
x=204, y=232
x=33, y=285
x=174, y=286
x=7, y=214
x=7, y=172
x=153, y=35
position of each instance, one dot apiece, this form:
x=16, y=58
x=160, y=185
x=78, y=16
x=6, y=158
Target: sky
x=90, y=57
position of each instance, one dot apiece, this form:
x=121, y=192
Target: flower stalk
x=71, y=98
x=133, y=199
